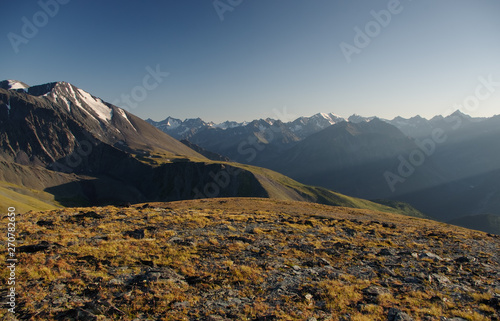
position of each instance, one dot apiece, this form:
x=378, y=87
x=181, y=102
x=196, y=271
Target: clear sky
x=263, y=55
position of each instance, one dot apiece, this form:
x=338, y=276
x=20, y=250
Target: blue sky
x=265, y=56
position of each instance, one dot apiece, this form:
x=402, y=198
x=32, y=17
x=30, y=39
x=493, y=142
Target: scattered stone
x=136, y=234
x=464, y=259
x=42, y=246
x=45, y=223
x=375, y=291
x=413, y=280
x=116, y=282
x=398, y=315
x=386, y=252
x=430, y=255
x=181, y=305
x=241, y=239
x=90, y=214
x=181, y=241
x=76, y=314
x=493, y=302
x=265, y=318
x=349, y=231
x=317, y=262
x=441, y=279
x=100, y=238
x=389, y=225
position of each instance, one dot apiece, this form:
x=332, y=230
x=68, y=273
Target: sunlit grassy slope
x=25, y=199
x=282, y=187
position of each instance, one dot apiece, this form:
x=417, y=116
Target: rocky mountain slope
x=44, y=124
x=250, y=259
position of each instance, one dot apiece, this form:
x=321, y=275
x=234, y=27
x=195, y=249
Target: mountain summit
x=12, y=84
x=53, y=120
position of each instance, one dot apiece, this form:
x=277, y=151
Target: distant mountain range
x=61, y=146
x=228, y=138
x=303, y=127
x=447, y=167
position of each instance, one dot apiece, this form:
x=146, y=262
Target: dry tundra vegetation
x=250, y=259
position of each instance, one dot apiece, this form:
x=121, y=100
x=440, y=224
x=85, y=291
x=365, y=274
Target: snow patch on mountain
x=14, y=84
x=228, y=124
x=8, y=107
x=103, y=112
x=355, y=118
x=68, y=104
x=173, y=123
x=122, y=113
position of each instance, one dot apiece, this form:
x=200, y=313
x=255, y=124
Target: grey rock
x=441, y=279
x=430, y=255
x=136, y=234
x=386, y=252
x=116, y=282
x=398, y=315
x=349, y=231
x=375, y=291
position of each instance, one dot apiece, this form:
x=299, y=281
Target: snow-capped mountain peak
x=331, y=118
x=11, y=84
x=355, y=118
x=173, y=123
x=69, y=95
x=103, y=111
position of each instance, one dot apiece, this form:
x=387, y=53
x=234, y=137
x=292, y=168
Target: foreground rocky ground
x=250, y=259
